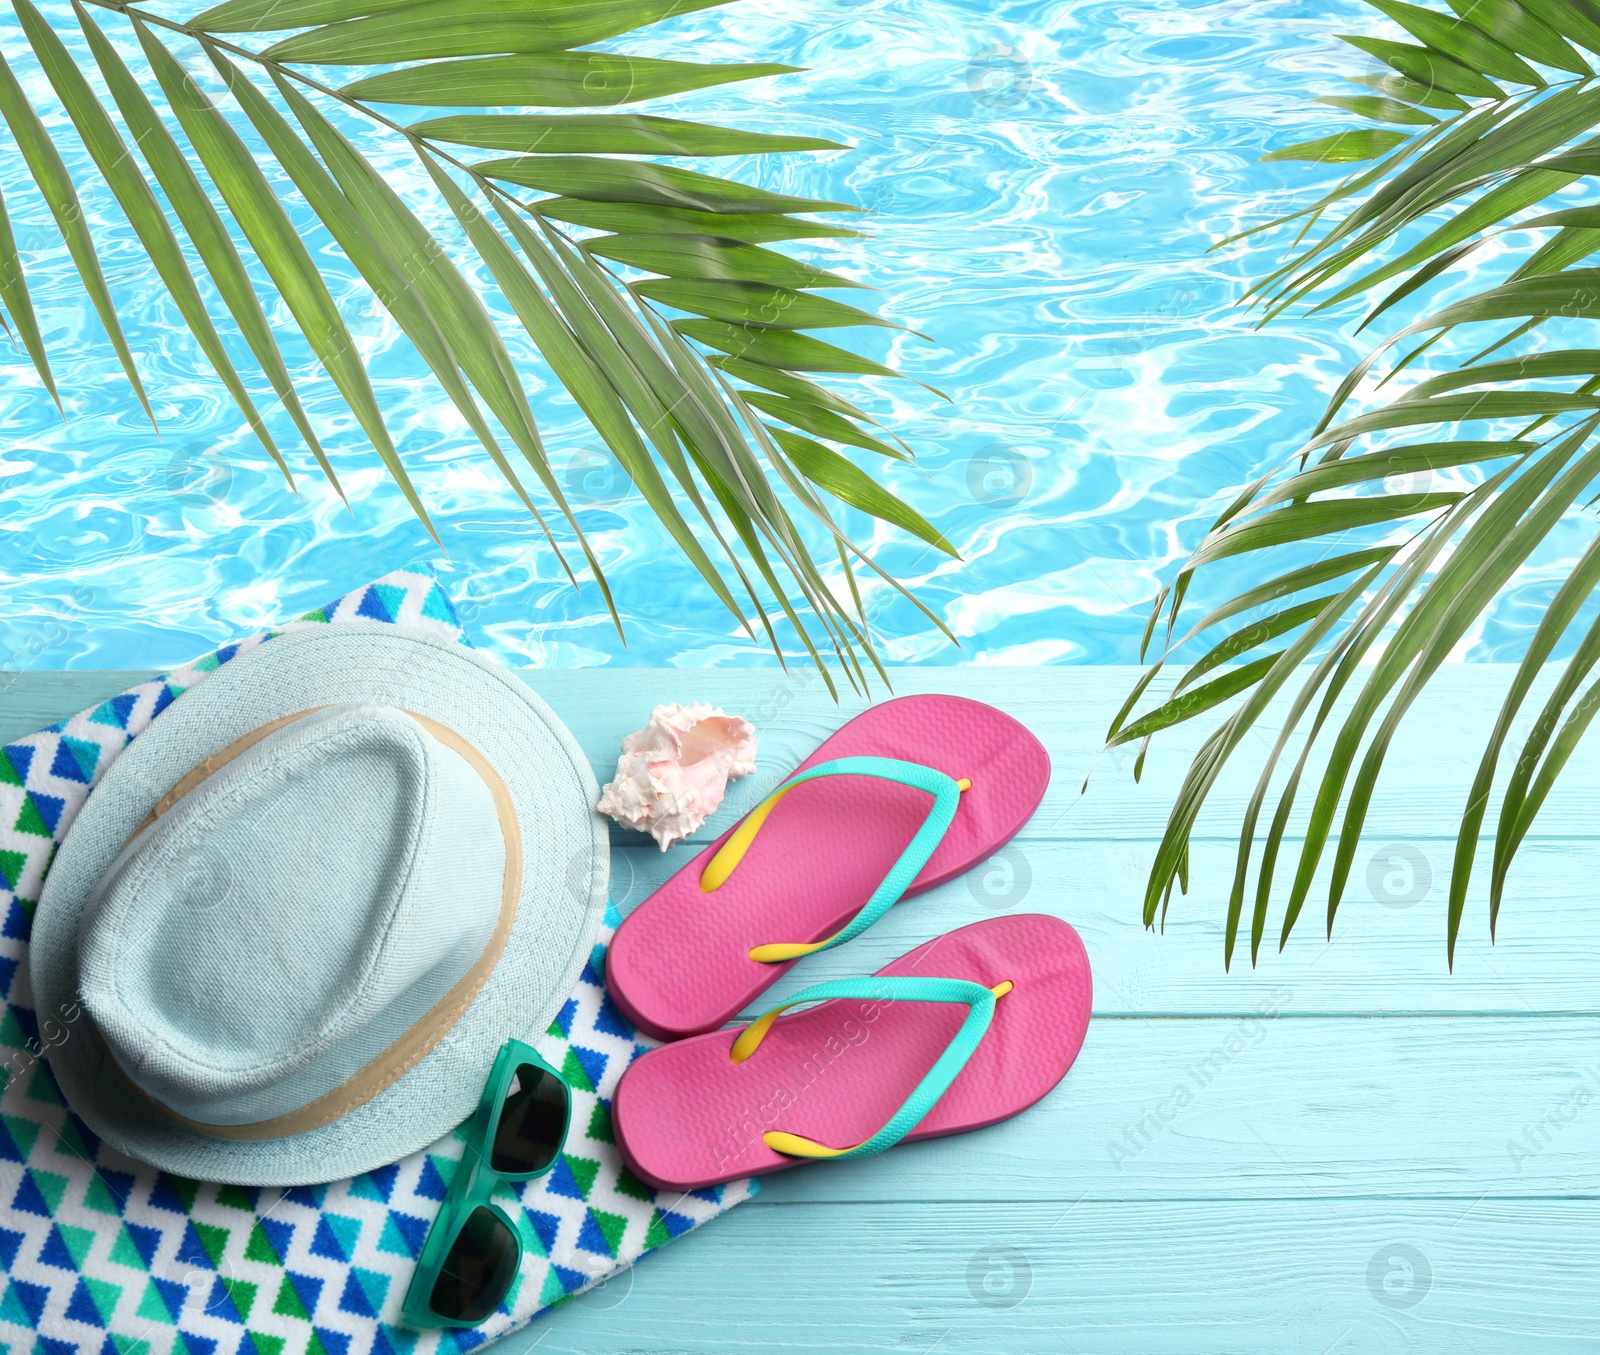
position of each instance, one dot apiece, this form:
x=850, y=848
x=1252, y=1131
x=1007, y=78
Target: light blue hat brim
x=565, y=871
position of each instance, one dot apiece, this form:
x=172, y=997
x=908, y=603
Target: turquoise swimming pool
x=1046, y=180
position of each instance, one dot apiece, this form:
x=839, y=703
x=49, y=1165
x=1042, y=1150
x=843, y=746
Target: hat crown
x=290, y=918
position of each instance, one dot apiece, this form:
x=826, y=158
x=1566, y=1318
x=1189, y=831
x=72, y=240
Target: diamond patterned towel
x=106, y=1256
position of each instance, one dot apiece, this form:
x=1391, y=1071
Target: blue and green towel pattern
x=105, y=1256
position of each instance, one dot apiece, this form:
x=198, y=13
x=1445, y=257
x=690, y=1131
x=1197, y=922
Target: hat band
x=415, y=1043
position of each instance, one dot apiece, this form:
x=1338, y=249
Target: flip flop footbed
x=686, y=1115
x=680, y=963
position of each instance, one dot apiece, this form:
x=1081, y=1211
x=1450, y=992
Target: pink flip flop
x=907, y=795
x=964, y=1031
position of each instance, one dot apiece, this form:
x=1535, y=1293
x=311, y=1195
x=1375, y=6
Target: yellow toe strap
x=795, y=1146
x=779, y=951
x=732, y=851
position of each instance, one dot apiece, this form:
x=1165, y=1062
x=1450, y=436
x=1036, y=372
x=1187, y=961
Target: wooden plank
x=1387, y=954
x=1260, y=1107
x=1430, y=768
x=1208, y=1278
x=1389, y=948
x=30, y=701
x=1069, y=709
x=1421, y=793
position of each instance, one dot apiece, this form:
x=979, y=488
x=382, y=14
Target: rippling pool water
x=1046, y=178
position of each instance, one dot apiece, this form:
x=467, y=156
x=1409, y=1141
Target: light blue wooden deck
x=1346, y=1150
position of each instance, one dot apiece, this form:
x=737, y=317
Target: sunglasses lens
x=478, y=1271
x=533, y=1123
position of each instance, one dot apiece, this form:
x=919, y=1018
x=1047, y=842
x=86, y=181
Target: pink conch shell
x=672, y=773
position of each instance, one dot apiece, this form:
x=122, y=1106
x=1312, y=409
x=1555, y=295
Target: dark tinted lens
x=477, y=1273
x=533, y=1123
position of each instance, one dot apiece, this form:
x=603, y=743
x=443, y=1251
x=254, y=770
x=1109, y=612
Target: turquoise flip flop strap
x=935, y=1082
x=946, y=792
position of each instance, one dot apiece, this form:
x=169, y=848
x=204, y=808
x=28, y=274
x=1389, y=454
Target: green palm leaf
x=547, y=80
x=648, y=288
x=1488, y=119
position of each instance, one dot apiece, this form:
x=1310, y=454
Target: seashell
x=673, y=772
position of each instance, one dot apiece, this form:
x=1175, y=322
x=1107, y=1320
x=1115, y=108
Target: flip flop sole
x=686, y=1116
x=679, y=964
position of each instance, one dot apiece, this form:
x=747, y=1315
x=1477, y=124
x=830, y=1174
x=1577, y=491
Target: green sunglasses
x=474, y=1248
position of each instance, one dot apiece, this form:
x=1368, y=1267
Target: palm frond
x=649, y=288
x=1492, y=112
